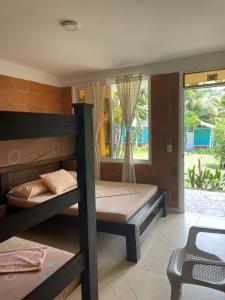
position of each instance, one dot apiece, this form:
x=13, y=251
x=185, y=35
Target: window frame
x=202, y=85
x=148, y=161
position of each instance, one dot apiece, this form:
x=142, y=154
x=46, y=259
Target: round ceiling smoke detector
x=70, y=25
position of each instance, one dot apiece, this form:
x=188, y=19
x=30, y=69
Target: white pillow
x=73, y=173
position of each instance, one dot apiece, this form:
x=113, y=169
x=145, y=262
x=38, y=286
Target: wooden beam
x=59, y=280
x=22, y=125
x=33, y=164
x=87, y=209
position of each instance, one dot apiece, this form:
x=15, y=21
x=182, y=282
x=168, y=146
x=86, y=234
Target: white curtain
x=95, y=96
x=128, y=88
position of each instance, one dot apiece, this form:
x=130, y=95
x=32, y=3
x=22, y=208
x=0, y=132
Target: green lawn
x=140, y=153
x=190, y=159
x=207, y=161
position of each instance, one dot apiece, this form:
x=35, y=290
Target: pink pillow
x=59, y=181
x=29, y=189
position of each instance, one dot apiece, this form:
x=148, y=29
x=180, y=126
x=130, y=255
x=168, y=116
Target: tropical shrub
x=206, y=179
x=191, y=176
x=219, y=137
x=216, y=181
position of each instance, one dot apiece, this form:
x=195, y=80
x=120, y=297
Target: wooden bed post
x=87, y=207
x=4, y=188
x=133, y=243
x=164, y=205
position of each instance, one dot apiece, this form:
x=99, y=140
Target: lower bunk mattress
x=115, y=201
x=17, y=285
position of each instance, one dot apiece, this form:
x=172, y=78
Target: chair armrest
x=194, y=231
x=188, y=266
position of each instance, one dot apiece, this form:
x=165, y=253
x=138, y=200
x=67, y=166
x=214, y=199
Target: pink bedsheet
x=15, y=286
x=24, y=260
x=116, y=208
x=106, y=191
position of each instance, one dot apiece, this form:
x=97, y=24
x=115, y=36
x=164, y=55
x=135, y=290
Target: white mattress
x=118, y=208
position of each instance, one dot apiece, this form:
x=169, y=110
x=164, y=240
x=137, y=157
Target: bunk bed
x=135, y=226
x=135, y=222
x=18, y=125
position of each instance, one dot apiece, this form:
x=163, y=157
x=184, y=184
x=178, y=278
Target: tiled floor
x=147, y=280
x=205, y=202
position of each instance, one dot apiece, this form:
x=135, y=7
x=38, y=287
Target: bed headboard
x=16, y=175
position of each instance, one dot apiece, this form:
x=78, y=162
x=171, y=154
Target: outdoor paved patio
x=205, y=202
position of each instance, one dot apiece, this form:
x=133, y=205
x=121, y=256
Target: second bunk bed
x=83, y=265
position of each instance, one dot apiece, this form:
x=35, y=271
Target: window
x=112, y=132
x=204, y=78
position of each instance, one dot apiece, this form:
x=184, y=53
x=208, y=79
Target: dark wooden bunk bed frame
x=14, y=125
x=135, y=230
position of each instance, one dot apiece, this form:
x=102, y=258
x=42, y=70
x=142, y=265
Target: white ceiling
x=114, y=34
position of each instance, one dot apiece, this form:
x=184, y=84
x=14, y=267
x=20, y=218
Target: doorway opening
x=204, y=146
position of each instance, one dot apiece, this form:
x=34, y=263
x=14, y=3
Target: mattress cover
x=15, y=152
x=15, y=286
x=117, y=208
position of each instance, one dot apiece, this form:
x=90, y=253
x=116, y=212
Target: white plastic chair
x=194, y=266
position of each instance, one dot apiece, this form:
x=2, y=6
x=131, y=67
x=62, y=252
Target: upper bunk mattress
x=119, y=203
x=15, y=286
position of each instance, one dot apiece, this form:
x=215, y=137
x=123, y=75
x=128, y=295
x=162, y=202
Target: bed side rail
x=59, y=280
x=29, y=217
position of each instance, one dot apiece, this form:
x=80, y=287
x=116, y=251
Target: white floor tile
x=193, y=292
x=218, y=222
x=146, y=280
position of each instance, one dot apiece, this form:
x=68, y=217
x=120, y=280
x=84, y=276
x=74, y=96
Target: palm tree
x=206, y=103
x=141, y=117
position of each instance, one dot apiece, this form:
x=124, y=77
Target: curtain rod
x=111, y=78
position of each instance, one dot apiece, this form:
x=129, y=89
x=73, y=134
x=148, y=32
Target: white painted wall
x=24, y=72
x=190, y=141
x=188, y=64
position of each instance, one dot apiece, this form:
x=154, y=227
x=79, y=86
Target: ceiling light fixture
x=70, y=25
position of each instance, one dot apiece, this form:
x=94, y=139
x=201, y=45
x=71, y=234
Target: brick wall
x=164, y=168
x=29, y=96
